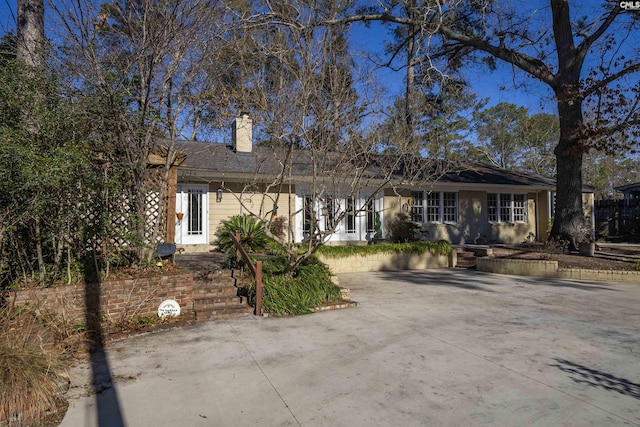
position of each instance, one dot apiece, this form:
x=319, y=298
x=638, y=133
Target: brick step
x=218, y=279
x=465, y=259
x=223, y=313
x=214, y=292
x=218, y=298
x=213, y=302
x=469, y=264
x=466, y=254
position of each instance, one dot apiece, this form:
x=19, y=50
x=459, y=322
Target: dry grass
x=32, y=372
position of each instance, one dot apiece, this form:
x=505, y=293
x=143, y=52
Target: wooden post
x=258, y=311
x=172, y=189
x=238, y=254
x=256, y=270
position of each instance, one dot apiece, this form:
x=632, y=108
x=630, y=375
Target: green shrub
x=403, y=229
x=440, y=247
x=289, y=294
x=252, y=235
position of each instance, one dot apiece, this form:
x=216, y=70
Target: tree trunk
x=569, y=216
x=410, y=83
x=42, y=269
x=30, y=42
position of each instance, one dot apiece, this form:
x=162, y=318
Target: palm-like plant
x=252, y=234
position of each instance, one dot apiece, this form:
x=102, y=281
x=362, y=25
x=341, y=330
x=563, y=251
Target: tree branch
x=584, y=46
x=605, y=81
x=526, y=63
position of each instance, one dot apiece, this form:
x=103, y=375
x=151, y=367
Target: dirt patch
x=605, y=258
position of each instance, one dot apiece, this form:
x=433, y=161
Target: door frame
x=182, y=206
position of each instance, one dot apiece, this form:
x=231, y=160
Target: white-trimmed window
x=441, y=207
x=433, y=207
x=371, y=216
x=350, y=216
x=507, y=207
x=449, y=207
x=519, y=208
x=417, y=206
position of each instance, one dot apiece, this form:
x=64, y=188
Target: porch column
x=172, y=188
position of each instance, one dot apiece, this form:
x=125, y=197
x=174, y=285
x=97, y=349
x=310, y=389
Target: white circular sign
x=169, y=307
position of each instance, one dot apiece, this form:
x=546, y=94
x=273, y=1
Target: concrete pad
x=437, y=347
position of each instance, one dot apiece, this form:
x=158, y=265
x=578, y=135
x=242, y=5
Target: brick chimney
x=242, y=133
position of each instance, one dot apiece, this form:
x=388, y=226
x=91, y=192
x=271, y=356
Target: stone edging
x=336, y=306
x=541, y=268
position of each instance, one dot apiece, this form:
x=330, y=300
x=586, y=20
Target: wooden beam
x=172, y=189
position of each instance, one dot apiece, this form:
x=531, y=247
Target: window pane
x=371, y=217
x=519, y=208
x=350, y=216
x=417, y=206
x=194, y=226
x=492, y=207
x=450, y=203
x=505, y=207
x=433, y=207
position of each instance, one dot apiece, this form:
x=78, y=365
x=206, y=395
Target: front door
x=192, y=208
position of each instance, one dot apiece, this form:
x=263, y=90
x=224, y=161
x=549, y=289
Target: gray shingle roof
x=216, y=161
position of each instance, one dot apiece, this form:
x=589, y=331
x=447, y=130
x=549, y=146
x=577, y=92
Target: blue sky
x=484, y=84
x=498, y=85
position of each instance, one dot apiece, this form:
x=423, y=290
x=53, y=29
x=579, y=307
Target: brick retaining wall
x=119, y=299
x=518, y=267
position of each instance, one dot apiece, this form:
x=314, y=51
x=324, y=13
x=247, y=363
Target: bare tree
x=301, y=91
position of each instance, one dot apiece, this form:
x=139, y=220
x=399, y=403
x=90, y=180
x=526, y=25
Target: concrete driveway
x=430, y=348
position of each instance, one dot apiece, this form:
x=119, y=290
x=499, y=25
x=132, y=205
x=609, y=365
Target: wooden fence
x=617, y=217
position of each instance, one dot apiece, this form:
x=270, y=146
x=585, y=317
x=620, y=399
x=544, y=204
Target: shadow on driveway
x=592, y=377
x=480, y=281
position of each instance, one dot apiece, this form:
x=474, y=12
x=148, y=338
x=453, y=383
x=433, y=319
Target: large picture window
x=509, y=208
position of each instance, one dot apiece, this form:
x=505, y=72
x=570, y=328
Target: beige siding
x=473, y=225
x=235, y=201
x=543, y=216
